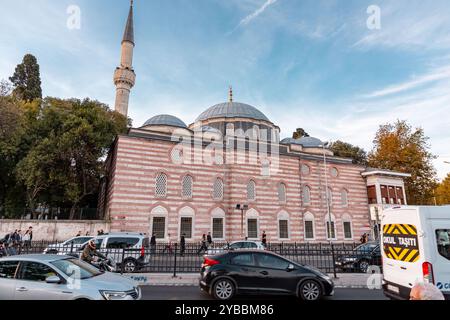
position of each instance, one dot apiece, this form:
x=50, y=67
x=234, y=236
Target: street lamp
x=242, y=207
x=324, y=145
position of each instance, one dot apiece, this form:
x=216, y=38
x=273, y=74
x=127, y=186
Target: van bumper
x=402, y=294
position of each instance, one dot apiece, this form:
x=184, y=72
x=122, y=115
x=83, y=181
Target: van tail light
x=142, y=251
x=208, y=262
x=427, y=269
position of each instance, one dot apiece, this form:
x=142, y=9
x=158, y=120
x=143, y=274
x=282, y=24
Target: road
x=194, y=293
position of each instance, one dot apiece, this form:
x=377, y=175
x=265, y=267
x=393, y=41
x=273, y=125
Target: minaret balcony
x=124, y=75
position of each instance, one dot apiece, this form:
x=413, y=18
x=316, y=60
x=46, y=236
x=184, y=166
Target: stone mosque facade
x=228, y=173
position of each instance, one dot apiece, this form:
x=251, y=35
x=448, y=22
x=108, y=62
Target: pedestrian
x=425, y=291
x=87, y=233
x=168, y=247
x=102, y=232
x=153, y=244
x=3, y=252
x=363, y=238
x=209, y=239
x=19, y=242
x=264, y=239
x=203, y=246
x=26, y=241
x=11, y=244
x=78, y=234
x=182, y=244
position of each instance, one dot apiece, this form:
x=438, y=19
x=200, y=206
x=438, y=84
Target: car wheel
x=363, y=266
x=129, y=266
x=310, y=290
x=223, y=289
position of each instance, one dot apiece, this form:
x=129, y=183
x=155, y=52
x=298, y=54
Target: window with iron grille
x=161, y=185
x=348, y=230
x=283, y=226
x=252, y=226
x=159, y=227
x=306, y=195
x=218, y=189
x=186, y=187
x=251, y=193
x=309, y=229
x=186, y=227
x=217, y=228
x=282, y=192
x=333, y=230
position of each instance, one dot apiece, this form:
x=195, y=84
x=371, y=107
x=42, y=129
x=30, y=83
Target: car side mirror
x=290, y=267
x=53, y=280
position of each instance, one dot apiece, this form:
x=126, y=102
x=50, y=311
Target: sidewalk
x=344, y=280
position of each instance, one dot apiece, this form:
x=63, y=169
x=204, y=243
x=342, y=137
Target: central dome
x=232, y=110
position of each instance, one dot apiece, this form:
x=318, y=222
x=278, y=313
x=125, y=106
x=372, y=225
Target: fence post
x=334, y=260
x=122, y=265
x=175, y=261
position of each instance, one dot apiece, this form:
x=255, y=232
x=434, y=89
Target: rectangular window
x=186, y=227
x=348, y=230
x=217, y=228
x=159, y=227
x=333, y=230
x=283, y=228
x=309, y=230
x=252, y=226
x=443, y=242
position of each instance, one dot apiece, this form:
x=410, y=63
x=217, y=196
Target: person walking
x=182, y=244
x=203, y=246
x=209, y=239
x=264, y=239
x=19, y=242
x=168, y=247
x=153, y=244
x=26, y=241
x=78, y=234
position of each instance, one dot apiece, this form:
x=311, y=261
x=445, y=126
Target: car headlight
x=114, y=295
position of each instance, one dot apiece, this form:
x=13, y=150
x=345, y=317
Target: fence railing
x=173, y=258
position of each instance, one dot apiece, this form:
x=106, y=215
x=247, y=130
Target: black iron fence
x=172, y=258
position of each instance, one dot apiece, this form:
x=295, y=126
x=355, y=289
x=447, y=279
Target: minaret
x=124, y=76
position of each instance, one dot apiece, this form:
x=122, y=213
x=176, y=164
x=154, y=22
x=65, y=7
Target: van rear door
x=441, y=257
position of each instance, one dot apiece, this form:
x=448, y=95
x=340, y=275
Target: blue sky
x=304, y=63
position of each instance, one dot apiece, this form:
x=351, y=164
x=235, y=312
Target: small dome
x=165, y=120
x=307, y=142
x=232, y=110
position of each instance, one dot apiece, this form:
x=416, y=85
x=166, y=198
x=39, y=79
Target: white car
x=238, y=245
x=68, y=246
x=58, y=277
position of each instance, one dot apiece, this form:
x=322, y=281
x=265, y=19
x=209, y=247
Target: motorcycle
x=106, y=264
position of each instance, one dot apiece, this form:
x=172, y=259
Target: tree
x=300, y=133
x=401, y=148
x=27, y=80
x=443, y=191
x=347, y=150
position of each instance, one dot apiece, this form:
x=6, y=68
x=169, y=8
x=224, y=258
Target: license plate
x=393, y=288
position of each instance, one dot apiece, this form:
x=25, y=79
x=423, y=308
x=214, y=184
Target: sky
x=313, y=64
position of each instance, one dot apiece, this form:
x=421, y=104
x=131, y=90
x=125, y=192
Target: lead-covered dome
x=165, y=120
x=307, y=142
x=232, y=110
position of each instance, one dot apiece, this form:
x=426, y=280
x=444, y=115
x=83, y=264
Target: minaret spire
x=124, y=76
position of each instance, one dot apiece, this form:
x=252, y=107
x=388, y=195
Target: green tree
x=401, y=148
x=347, y=150
x=27, y=80
x=300, y=133
x=443, y=191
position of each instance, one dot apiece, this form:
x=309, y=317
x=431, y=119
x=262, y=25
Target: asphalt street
x=194, y=293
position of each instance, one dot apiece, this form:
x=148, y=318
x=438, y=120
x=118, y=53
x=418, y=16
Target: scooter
x=106, y=264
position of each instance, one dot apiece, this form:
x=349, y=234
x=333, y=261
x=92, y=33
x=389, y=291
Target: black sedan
x=261, y=272
x=360, y=258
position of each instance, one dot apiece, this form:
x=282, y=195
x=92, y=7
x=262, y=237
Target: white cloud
x=255, y=14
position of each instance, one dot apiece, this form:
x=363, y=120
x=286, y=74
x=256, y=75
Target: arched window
x=186, y=223
x=187, y=187
x=252, y=224
x=218, y=189
x=251, y=191
x=309, y=226
x=348, y=228
x=159, y=222
x=218, y=224
x=306, y=195
x=283, y=225
x=344, y=198
x=161, y=185
x=281, y=192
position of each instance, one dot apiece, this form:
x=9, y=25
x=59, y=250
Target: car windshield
x=367, y=247
x=76, y=269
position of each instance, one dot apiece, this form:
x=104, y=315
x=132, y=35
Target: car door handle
x=22, y=289
x=264, y=273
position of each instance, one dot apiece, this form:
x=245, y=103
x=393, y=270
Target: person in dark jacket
x=264, y=239
x=153, y=244
x=90, y=251
x=203, y=246
x=182, y=244
x=209, y=239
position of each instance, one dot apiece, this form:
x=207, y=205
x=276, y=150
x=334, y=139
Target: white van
x=415, y=248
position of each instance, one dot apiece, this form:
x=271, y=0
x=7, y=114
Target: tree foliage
x=300, y=133
x=27, y=80
x=443, y=191
x=347, y=150
x=401, y=148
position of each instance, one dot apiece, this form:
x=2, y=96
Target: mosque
x=228, y=173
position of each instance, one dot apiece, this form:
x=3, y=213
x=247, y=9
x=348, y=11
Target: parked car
x=238, y=245
x=133, y=258
x=59, y=277
x=360, y=258
x=261, y=272
x=68, y=246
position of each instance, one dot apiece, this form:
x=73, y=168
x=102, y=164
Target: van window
x=443, y=242
x=121, y=243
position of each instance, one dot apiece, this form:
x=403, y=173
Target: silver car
x=238, y=245
x=57, y=277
